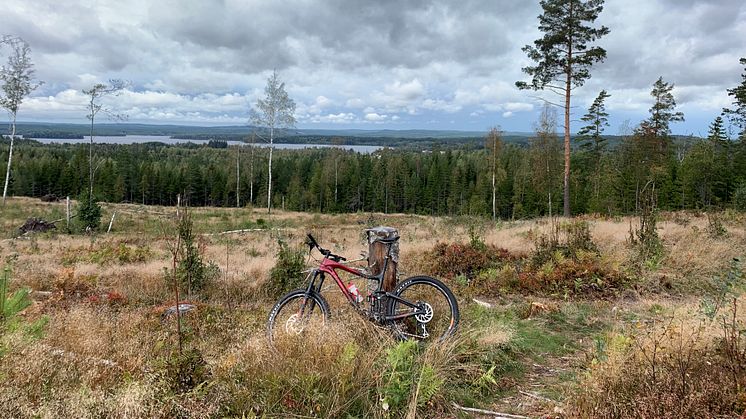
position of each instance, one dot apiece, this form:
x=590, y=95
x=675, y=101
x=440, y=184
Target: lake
x=138, y=139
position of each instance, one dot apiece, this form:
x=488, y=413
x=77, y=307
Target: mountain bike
x=419, y=308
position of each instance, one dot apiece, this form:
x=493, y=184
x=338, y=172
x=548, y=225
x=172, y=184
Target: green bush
x=286, y=275
x=192, y=272
x=89, y=212
x=739, y=198
x=407, y=374
x=570, y=239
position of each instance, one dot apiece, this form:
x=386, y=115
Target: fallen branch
x=111, y=223
x=537, y=397
x=76, y=357
x=482, y=303
x=245, y=230
x=496, y=415
x=63, y=219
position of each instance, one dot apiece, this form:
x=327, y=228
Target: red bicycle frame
x=329, y=266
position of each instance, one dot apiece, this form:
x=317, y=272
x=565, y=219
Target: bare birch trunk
x=238, y=177
x=494, y=197
x=90, y=161
x=269, y=186
x=10, y=158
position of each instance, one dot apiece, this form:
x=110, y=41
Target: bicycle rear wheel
x=428, y=309
x=296, y=313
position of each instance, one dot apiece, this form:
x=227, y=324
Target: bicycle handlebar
x=327, y=253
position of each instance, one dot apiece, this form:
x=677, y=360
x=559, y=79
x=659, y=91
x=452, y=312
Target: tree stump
x=377, y=254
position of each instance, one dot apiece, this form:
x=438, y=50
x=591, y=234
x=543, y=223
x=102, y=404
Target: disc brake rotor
x=427, y=315
x=294, y=325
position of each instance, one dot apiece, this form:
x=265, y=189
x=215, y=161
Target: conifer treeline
x=702, y=174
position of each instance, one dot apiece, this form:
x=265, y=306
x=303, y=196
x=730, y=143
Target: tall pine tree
x=591, y=138
x=737, y=114
x=564, y=57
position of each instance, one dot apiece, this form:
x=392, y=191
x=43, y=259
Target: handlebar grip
x=312, y=240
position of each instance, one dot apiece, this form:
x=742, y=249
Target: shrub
x=192, y=271
x=450, y=260
x=715, y=227
x=113, y=253
x=286, y=275
x=674, y=370
x=585, y=277
x=645, y=239
x=89, y=212
x=185, y=371
x=739, y=198
x=570, y=239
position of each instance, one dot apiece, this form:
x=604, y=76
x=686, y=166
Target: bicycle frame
x=329, y=267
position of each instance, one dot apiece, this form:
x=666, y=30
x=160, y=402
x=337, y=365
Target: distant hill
x=36, y=129
x=411, y=139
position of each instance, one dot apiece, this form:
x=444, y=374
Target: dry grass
x=683, y=365
x=61, y=374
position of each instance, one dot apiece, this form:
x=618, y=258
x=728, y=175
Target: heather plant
x=451, y=260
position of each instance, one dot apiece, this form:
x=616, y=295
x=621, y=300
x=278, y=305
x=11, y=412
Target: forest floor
x=579, y=334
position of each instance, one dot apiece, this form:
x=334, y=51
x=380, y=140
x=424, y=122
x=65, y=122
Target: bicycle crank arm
x=404, y=315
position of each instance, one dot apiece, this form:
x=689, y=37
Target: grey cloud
x=348, y=33
x=466, y=55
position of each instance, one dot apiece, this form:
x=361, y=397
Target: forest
x=607, y=179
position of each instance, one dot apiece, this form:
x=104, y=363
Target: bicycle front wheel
x=425, y=309
x=296, y=313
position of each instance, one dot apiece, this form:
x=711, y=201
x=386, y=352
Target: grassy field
x=558, y=320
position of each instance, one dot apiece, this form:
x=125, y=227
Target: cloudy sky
x=439, y=64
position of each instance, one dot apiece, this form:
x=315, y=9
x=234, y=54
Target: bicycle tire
x=316, y=299
x=448, y=317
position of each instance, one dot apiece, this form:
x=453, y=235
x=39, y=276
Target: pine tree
x=737, y=115
x=663, y=112
x=717, y=132
x=597, y=118
x=590, y=137
x=563, y=56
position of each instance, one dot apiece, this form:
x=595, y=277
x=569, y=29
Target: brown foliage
x=453, y=259
x=573, y=277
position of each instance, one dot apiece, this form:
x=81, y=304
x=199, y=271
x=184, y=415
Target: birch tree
x=273, y=112
x=94, y=107
x=17, y=78
x=494, y=145
x=563, y=57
